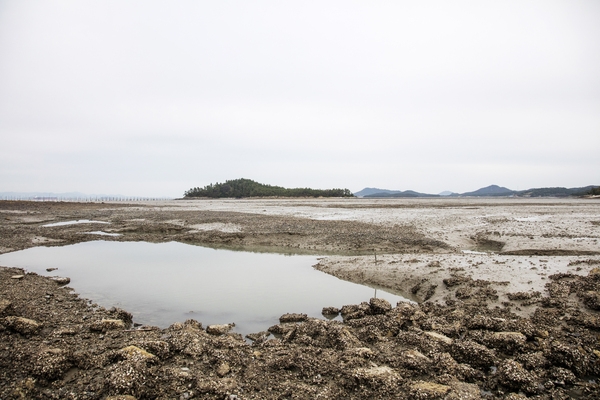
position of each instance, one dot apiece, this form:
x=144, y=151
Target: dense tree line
x=248, y=188
x=594, y=191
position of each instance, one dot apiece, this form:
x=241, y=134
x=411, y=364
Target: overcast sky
x=155, y=97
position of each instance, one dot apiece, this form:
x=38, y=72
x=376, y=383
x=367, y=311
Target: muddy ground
x=508, y=290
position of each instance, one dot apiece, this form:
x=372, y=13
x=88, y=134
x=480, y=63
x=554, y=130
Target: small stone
x=219, y=329
x=415, y=354
x=428, y=390
x=17, y=277
x=293, y=318
x=439, y=337
x=5, y=307
x=121, y=314
x=223, y=369
x=121, y=397
x=107, y=325
x=22, y=325
x=363, y=352
x=133, y=353
x=506, y=341
x=260, y=336
x=330, y=311
x=513, y=375
x=381, y=374
x=51, y=363
x=379, y=306
x=61, y=281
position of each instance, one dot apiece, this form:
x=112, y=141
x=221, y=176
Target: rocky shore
x=483, y=328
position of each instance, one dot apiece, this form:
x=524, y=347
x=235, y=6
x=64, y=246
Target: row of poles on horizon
x=83, y=199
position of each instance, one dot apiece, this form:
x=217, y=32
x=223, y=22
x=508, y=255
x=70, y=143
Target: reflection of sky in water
x=168, y=282
x=79, y=221
x=102, y=233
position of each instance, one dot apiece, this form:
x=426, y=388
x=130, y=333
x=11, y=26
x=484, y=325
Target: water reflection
x=79, y=221
x=168, y=282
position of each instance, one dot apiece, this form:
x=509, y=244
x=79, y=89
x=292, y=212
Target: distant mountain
x=488, y=191
x=492, y=190
x=368, y=191
x=498, y=191
x=397, y=194
x=555, y=192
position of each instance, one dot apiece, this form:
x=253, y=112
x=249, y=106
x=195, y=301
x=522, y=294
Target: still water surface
x=169, y=282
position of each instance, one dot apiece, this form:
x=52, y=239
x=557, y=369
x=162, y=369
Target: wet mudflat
x=516, y=316
x=163, y=283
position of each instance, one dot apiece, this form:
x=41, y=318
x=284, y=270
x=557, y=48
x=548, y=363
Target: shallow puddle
x=79, y=221
x=169, y=282
x=101, y=233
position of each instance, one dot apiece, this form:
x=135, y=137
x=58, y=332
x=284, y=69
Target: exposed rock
x=515, y=396
x=121, y=314
x=354, y=315
x=533, y=361
x=223, y=369
x=330, y=311
x=428, y=390
x=463, y=391
x=219, y=329
x=377, y=375
x=379, y=306
x=472, y=353
x=562, y=376
x=133, y=353
x=293, y=318
x=363, y=352
x=567, y=356
x=61, y=280
x=439, y=337
x=513, y=375
x=507, y=342
x=259, y=336
x=280, y=329
x=159, y=348
x=22, y=325
x=127, y=377
x=591, y=299
x=51, y=363
x=5, y=307
x=414, y=359
x=17, y=277
x=107, y=325
x=361, y=308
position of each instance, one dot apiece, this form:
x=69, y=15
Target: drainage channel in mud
x=169, y=282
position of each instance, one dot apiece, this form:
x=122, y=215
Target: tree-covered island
x=237, y=188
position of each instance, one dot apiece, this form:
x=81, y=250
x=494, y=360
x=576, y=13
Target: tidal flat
x=507, y=291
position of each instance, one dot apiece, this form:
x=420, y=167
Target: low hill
x=488, y=191
x=557, y=192
x=368, y=191
x=492, y=190
x=238, y=188
x=406, y=193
